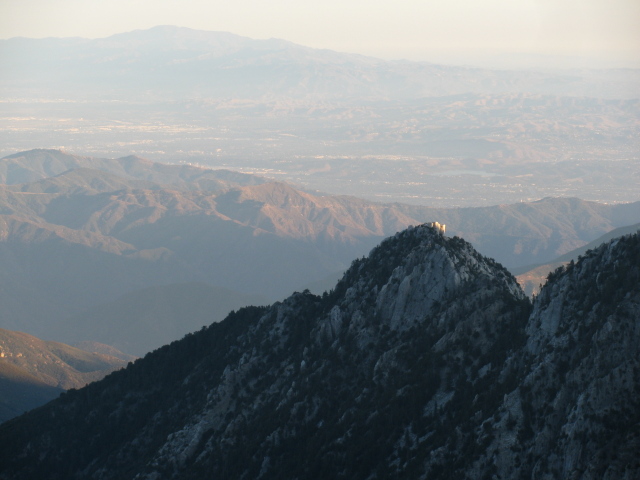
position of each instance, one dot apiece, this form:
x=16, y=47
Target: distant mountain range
x=33, y=371
x=84, y=237
x=168, y=62
x=41, y=171
x=426, y=360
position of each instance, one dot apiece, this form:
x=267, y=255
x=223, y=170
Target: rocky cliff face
x=576, y=411
x=425, y=361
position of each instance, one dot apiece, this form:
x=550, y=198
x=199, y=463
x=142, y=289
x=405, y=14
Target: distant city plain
x=337, y=123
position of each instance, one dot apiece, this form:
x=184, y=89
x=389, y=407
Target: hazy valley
x=339, y=123
x=92, y=245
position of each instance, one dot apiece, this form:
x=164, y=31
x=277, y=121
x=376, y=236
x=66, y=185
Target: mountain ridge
x=40, y=164
x=531, y=277
x=426, y=360
x=179, y=57
x=238, y=238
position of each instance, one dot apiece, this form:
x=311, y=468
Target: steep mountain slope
x=339, y=377
x=532, y=277
x=34, y=371
x=425, y=361
x=576, y=411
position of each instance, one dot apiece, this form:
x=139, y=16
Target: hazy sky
x=413, y=29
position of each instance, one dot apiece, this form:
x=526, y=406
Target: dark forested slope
x=426, y=360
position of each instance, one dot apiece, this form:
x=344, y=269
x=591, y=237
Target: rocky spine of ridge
x=425, y=361
x=576, y=411
x=310, y=374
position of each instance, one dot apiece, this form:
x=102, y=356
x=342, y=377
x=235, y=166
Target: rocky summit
x=425, y=361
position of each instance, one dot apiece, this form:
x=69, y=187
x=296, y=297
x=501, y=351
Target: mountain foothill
x=33, y=371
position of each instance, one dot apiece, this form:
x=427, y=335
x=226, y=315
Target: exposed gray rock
x=425, y=361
